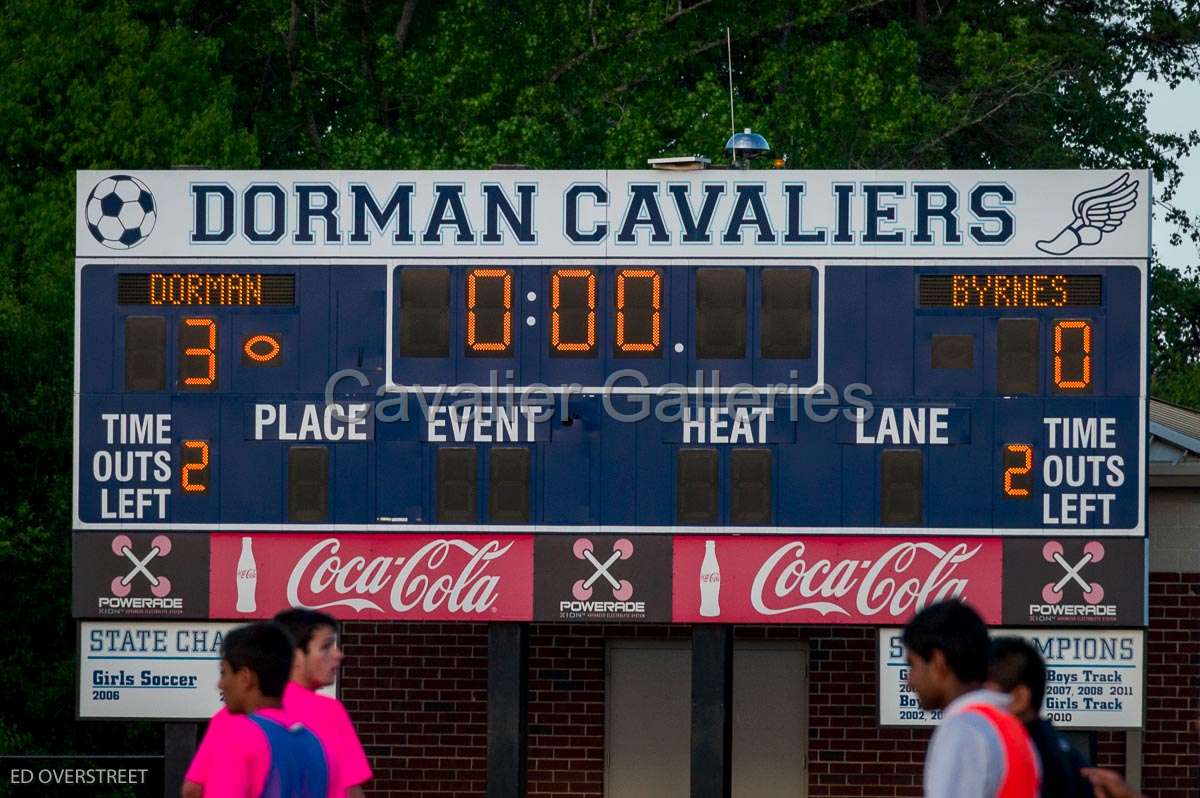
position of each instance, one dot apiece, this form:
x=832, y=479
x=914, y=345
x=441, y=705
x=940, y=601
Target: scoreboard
x=959, y=353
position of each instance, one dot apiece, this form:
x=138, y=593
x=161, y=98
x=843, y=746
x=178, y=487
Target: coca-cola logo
x=423, y=581
x=908, y=576
x=831, y=578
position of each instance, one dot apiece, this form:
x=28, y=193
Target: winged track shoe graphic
x=1098, y=211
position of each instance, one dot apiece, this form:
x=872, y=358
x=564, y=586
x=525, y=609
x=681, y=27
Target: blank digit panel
x=489, y=313
x=696, y=486
x=145, y=353
x=308, y=483
x=901, y=487
x=720, y=313
x=750, y=486
x=456, y=485
x=1017, y=356
x=424, y=313
x=952, y=352
x=786, y=317
x=508, y=485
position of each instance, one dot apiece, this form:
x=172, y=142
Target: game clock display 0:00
x=636, y=310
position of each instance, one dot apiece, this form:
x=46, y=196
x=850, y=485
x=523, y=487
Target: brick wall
x=848, y=753
x=1171, y=745
x=418, y=695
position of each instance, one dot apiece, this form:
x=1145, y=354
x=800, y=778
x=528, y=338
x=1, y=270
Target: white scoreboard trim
x=879, y=210
x=1095, y=678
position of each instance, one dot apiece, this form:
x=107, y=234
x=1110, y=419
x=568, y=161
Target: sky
x=1177, y=111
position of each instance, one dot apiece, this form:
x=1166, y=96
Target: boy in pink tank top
x=317, y=660
x=261, y=749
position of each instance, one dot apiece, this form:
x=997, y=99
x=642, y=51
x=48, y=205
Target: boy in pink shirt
x=260, y=749
x=317, y=659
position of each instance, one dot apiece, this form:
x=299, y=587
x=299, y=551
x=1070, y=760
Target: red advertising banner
x=824, y=580
x=373, y=577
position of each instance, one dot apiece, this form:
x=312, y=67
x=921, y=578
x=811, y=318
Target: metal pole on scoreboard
x=179, y=746
x=507, y=709
x=712, y=711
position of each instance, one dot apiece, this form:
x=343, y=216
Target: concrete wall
x=1174, y=521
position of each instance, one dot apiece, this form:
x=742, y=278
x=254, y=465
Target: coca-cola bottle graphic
x=247, y=579
x=710, y=582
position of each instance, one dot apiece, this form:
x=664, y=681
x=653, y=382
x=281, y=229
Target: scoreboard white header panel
x=551, y=214
x=739, y=351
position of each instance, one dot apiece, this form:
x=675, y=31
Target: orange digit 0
x=655, y=310
x=555, y=301
x=506, y=337
x=1086, y=376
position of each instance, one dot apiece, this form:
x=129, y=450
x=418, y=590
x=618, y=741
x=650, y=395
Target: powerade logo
x=602, y=578
x=139, y=575
x=120, y=602
x=602, y=606
x=621, y=606
x=120, y=606
x=1053, y=592
x=1073, y=610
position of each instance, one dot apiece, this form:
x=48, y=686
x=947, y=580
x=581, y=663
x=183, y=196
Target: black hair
x=265, y=648
x=1015, y=662
x=958, y=632
x=303, y=624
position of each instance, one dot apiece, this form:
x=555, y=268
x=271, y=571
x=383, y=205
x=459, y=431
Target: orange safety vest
x=1021, y=777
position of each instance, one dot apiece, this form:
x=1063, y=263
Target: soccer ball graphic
x=120, y=211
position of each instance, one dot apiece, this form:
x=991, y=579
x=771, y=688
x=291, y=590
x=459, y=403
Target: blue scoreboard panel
x=294, y=351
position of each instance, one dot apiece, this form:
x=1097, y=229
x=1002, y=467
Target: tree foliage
x=83, y=86
x=1175, y=335
x=470, y=83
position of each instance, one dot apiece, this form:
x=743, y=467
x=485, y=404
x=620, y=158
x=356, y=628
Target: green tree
x=835, y=84
x=1175, y=335
x=467, y=84
x=83, y=85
